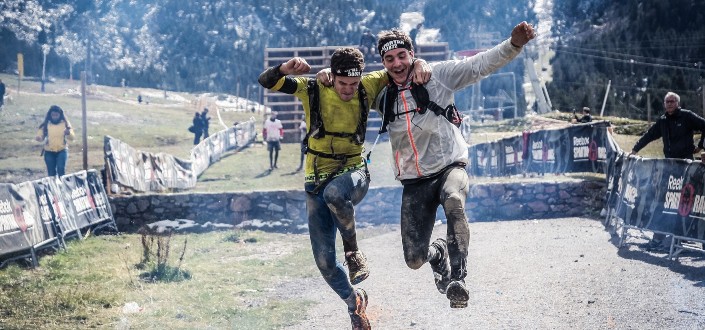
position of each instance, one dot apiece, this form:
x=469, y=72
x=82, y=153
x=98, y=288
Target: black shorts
x=273, y=145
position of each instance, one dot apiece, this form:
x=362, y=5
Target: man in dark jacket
x=586, y=118
x=196, y=128
x=676, y=128
x=205, y=123
x=2, y=93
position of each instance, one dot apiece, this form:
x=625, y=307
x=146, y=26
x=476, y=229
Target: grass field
x=97, y=282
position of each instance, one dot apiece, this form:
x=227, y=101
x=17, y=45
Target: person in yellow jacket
x=55, y=131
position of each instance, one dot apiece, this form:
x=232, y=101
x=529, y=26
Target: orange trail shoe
x=358, y=318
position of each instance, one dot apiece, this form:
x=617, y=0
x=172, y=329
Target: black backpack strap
x=387, y=105
x=423, y=102
x=315, y=120
x=359, y=136
x=314, y=103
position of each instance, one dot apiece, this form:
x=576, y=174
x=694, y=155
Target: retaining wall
x=286, y=210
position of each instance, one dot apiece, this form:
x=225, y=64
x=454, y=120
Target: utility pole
x=648, y=108
x=84, y=126
x=702, y=94
x=604, y=101
x=45, y=51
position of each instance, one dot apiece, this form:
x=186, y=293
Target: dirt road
x=545, y=274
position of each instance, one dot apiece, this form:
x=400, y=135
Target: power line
x=629, y=56
x=632, y=61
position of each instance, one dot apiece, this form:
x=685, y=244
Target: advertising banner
x=17, y=225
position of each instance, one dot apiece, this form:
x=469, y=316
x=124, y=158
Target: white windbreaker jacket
x=424, y=144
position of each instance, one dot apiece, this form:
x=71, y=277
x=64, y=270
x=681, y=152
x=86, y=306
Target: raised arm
x=522, y=33
x=294, y=66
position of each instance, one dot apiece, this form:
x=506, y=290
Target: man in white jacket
x=430, y=153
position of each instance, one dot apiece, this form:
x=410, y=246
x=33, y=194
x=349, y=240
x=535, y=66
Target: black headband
x=394, y=44
x=348, y=72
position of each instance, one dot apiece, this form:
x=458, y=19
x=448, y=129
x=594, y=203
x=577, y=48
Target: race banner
x=665, y=195
x=97, y=193
x=485, y=159
x=578, y=148
x=684, y=202
x=50, y=191
x=550, y=151
x=614, y=173
x=86, y=198
x=513, y=158
x=41, y=231
x=17, y=225
x=42, y=212
x=590, y=147
x=144, y=171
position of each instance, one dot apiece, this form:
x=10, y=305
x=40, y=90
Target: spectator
x=206, y=122
x=586, y=118
x=55, y=131
x=412, y=34
x=676, y=128
x=273, y=132
x=2, y=94
x=196, y=128
x=368, y=45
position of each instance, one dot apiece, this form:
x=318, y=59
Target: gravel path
x=546, y=274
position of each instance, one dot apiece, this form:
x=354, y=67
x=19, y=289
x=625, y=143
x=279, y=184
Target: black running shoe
x=358, y=318
x=441, y=268
x=458, y=294
x=357, y=267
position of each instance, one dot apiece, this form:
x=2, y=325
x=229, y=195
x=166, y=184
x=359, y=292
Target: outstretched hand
x=422, y=71
x=295, y=66
x=522, y=33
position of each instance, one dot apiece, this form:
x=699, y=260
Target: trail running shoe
x=358, y=318
x=441, y=268
x=458, y=294
x=357, y=266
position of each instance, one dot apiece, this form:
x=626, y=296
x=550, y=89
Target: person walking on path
x=55, y=132
x=196, y=128
x=367, y=45
x=205, y=123
x=273, y=132
x=430, y=153
x=2, y=94
x=336, y=175
x=676, y=127
x=413, y=34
